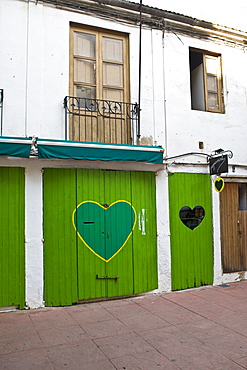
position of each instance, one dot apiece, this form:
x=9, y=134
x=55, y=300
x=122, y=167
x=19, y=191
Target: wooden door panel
x=230, y=246
x=191, y=250
x=145, y=234
x=60, y=250
x=12, y=235
x=242, y=235
x=100, y=126
x=90, y=188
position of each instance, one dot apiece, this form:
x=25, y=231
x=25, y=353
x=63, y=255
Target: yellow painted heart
x=104, y=229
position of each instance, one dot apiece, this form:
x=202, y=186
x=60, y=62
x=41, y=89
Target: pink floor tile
x=127, y=310
x=91, y=316
x=106, y=329
x=57, y=336
x=119, y=346
x=168, y=337
x=29, y=360
x=144, y=321
x=57, y=318
x=233, y=346
x=69, y=356
x=146, y=361
x=20, y=343
x=202, y=329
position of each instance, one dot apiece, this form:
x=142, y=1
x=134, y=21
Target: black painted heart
x=219, y=184
x=191, y=218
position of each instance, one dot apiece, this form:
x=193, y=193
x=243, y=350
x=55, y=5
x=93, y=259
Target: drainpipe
x=1, y=110
x=164, y=86
x=139, y=88
x=27, y=65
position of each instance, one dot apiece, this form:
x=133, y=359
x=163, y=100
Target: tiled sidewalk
x=203, y=328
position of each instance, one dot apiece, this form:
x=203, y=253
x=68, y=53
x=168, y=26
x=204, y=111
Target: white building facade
x=193, y=102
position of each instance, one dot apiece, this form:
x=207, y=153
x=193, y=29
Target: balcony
x=99, y=130
x=101, y=121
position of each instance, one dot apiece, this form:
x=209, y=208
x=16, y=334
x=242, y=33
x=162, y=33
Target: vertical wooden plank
x=12, y=261
x=117, y=189
x=230, y=242
x=90, y=187
x=191, y=250
x=60, y=252
x=144, y=236
x=243, y=239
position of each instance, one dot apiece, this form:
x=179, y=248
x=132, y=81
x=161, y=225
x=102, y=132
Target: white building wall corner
x=218, y=279
x=34, y=238
x=163, y=232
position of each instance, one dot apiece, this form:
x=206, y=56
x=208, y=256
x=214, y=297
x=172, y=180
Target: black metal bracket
x=217, y=152
x=107, y=277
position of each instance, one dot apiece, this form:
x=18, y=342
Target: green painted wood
x=118, y=187
x=60, y=241
x=98, y=240
x=107, y=189
x=191, y=250
x=12, y=243
x=90, y=187
x=145, y=235
x=104, y=229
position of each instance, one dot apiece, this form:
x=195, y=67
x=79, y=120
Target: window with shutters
x=206, y=81
x=99, y=82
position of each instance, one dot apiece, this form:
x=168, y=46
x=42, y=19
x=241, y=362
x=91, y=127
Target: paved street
x=204, y=328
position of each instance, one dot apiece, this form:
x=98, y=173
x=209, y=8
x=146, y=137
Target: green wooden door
x=12, y=243
x=110, y=240
x=60, y=241
x=105, y=240
x=191, y=231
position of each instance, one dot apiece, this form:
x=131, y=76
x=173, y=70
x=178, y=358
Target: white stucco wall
x=35, y=79
x=186, y=127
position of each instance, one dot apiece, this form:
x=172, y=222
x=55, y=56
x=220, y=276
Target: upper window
x=99, y=86
x=99, y=68
x=206, y=81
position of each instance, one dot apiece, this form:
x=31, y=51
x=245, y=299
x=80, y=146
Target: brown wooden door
x=233, y=213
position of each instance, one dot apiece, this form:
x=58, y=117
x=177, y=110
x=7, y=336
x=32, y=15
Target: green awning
x=15, y=147
x=62, y=149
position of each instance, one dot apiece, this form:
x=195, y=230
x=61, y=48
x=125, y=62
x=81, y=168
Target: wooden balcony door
x=99, y=79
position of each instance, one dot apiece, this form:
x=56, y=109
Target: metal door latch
x=107, y=277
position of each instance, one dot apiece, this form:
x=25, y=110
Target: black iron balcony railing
x=101, y=121
x=1, y=112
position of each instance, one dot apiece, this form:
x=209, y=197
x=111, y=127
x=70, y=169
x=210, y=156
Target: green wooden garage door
x=100, y=234
x=12, y=259
x=191, y=230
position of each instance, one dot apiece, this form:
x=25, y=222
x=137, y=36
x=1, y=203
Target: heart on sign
x=191, y=218
x=104, y=229
x=219, y=184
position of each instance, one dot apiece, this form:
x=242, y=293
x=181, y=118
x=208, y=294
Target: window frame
x=99, y=62
x=219, y=78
